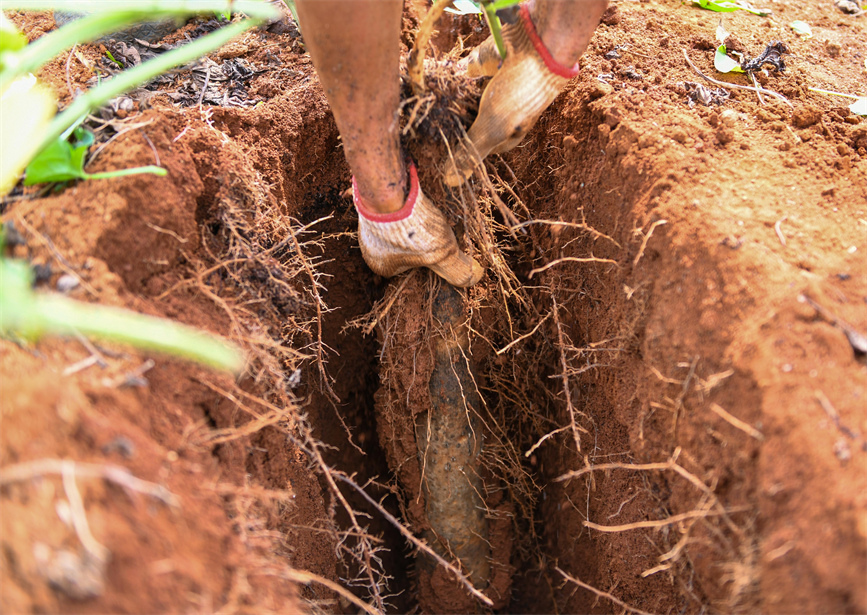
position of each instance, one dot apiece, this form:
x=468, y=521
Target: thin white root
x=600, y=593
x=29, y=470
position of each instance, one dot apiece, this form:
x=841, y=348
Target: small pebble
x=729, y=117
x=67, y=283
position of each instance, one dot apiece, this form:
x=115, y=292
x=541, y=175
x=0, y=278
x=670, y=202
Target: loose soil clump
x=666, y=349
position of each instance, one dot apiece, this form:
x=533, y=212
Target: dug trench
x=672, y=410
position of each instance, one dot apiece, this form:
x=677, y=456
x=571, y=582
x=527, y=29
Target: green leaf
x=63, y=161
x=859, y=107
x=720, y=6
x=10, y=38
x=82, y=136
x=114, y=60
x=59, y=162
x=802, y=28
x=726, y=6
x=723, y=63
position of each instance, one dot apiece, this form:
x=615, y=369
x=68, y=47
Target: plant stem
x=495, y=26
x=155, y=170
x=253, y=8
x=60, y=315
x=32, y=315
x=832, y=93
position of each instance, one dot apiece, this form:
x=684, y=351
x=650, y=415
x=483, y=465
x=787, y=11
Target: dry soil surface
x=689, y=338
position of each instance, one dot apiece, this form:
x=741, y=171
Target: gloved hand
x=417, y=235
x=527, y=82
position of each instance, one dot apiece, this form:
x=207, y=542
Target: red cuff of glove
x=393, y=216
x=553, y=65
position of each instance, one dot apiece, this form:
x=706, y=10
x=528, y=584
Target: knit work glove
x=418, y=235
x=527, y=82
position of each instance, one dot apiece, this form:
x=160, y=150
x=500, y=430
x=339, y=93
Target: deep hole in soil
x=352, y=291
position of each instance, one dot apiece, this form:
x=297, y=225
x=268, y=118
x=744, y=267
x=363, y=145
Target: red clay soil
x=715, y=336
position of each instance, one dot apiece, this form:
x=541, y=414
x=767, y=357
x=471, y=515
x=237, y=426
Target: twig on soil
x=95, y=357
x=646, y=239
x=857, y=340
x=29, y=470
x=131, y=378
x=600, y=593
x=779, y=230
x=570, y=259
x=165, y=231
x=833, y=93
x=93, y=350
x=79, y=516
x=726, y=84
x=82, y=365
x=736, y=422
x=756, y=85
x=68, y=80
x=832, y=413
x=153, y=149
x=204, y=87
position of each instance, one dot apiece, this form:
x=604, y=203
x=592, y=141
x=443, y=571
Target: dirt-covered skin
x=727, y=227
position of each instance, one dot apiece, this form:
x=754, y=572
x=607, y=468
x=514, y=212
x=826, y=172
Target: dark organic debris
x=631, y=73
x=284, y=24
x=849, y=6
x=773, y=55
x=125, y=55
x=223, y=85
x=696, y=92
x=611, y=54
x=206, y=27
